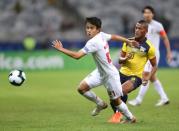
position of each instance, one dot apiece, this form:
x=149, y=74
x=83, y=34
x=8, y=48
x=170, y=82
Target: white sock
x=159, y=88
x=93, y=97
x=124, y=110
x=142, y=92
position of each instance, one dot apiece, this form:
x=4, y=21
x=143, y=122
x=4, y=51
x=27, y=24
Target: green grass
x=49, y=101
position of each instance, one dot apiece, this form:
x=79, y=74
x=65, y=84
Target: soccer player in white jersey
x=155, y=31
x=105, y=73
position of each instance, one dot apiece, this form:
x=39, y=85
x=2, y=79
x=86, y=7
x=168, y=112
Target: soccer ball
x=17, y=77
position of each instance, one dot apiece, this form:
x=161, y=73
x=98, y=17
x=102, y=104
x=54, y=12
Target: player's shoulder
x=156, y=23
x=146, y=46
x=124, y=44
x=93, y=40
x=97, y=37
x=102, y=34
x=149, y=43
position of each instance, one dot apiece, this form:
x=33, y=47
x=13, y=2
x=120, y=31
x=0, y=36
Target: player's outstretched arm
x=76, y=55
x=123, y=39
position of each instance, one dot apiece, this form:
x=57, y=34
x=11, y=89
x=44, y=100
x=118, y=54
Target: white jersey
x=154, y=30
x=98, y=46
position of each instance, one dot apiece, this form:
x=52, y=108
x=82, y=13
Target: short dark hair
x=144, y=23
x=94, y=21
x=149, y=8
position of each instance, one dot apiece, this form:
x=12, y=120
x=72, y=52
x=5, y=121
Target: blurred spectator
x=67, y=25
x=52, y=2
x=166, y=23
x=64, y=18
x=18, y=7
x=125, y=23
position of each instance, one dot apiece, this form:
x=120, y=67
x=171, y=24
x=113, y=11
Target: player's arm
x=153, y=62
x=76, y=55
x=130, y=42
x=167, y=45
x=124, y=57
x=120, y=38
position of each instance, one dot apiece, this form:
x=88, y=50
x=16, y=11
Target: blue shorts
x=136, y=80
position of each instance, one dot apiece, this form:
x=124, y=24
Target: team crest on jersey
x=142, y=49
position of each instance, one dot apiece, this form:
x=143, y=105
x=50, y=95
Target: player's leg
x=114, y=89
x=122, y=107
x=124, y=98
x=143, y=89
x=158, y=86
x=127, y=87
x=123, y=79
x=84, y=89
x=129, y=83
x=160, y=90
x=91, y=81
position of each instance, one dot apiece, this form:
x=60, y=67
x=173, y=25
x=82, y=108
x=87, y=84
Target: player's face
x=148, y=15
x=140, y=31
x=91, y=30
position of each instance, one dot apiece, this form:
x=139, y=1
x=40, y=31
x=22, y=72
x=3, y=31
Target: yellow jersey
x=135, y=65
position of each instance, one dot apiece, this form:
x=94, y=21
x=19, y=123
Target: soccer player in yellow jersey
x=133, y=60
x=155, y=32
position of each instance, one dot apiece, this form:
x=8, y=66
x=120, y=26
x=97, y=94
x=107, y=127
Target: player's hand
x=134, y=43
x=129, y=56
x=169, y=57
x=57, y=45
x=144, y=82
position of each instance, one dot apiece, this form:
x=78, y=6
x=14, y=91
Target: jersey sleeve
x=151, y=53
x=161, y=30
x=124, y=47
x=106, y=36
x=90, y=47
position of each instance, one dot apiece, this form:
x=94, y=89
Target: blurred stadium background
x=27, y=28
x=33, y=24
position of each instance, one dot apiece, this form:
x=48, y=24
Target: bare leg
x=84, y=89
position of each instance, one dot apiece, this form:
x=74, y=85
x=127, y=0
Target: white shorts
x=148, y=66
x=112, y=83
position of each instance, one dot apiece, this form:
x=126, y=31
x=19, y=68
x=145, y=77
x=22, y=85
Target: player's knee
x=153, y=78
x=145, y=74
x=83, y=87
x=80, y=90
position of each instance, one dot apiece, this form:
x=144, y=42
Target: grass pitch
x=48, y=101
